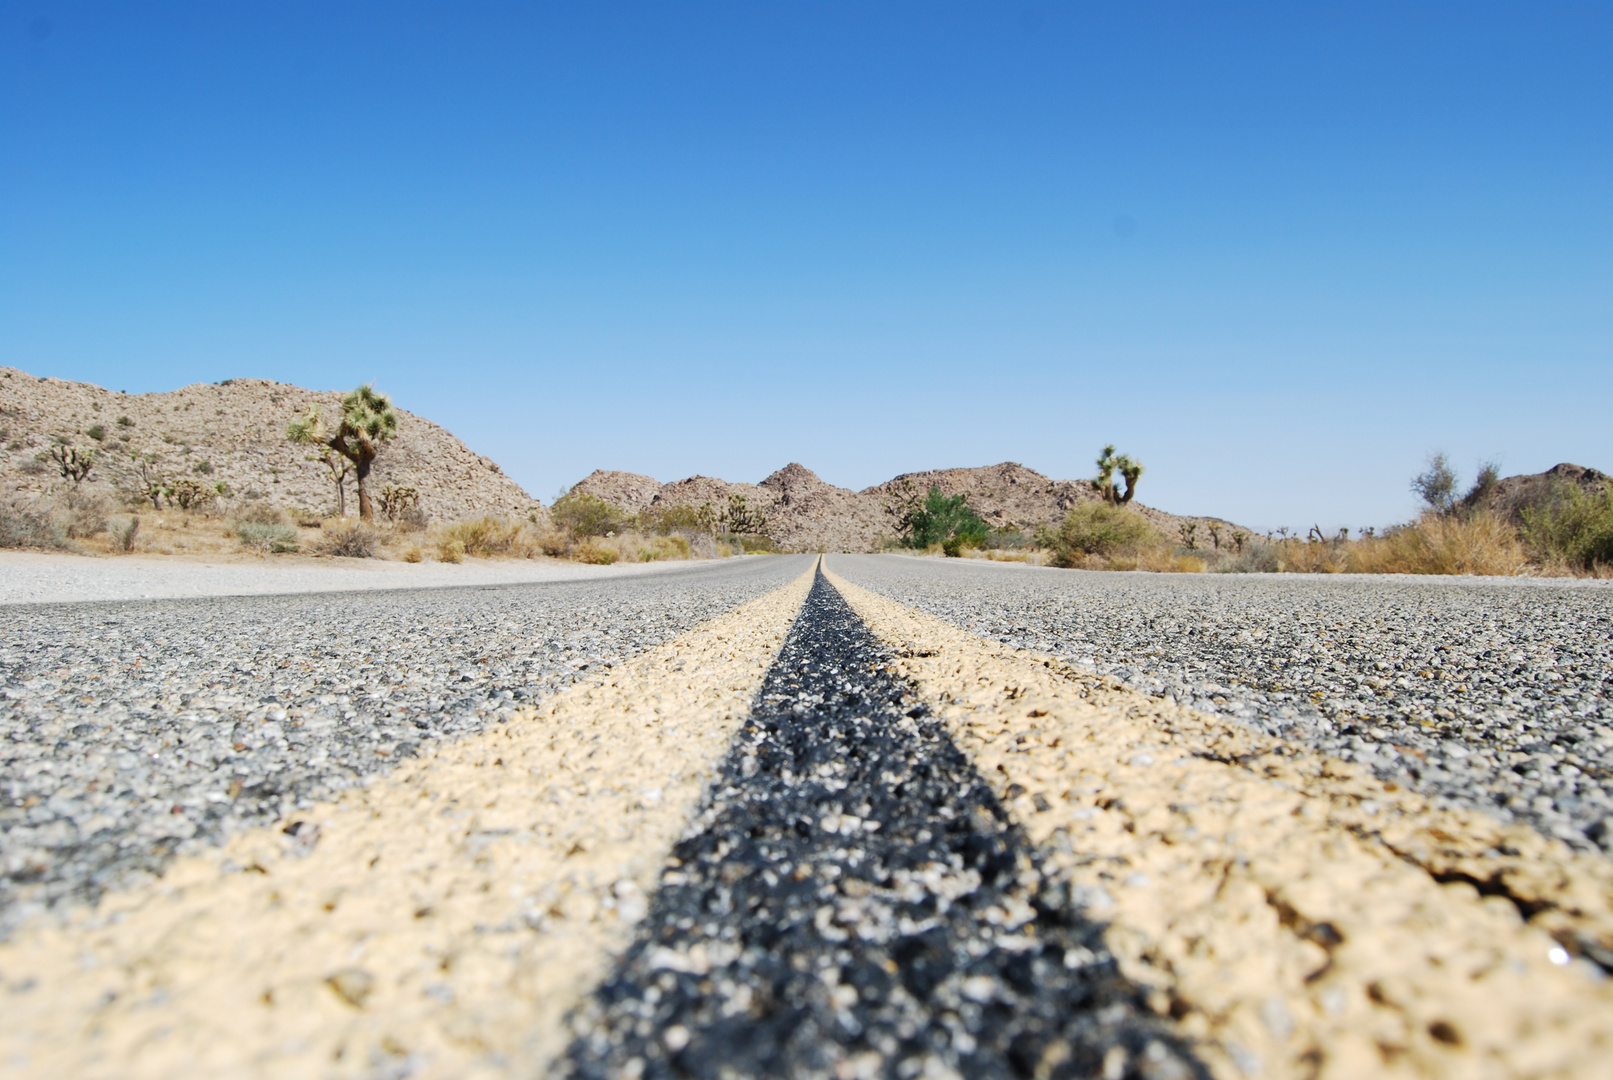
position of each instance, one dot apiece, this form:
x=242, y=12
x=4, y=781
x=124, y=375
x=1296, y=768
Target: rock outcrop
x=232, y=432
x=1510, y=497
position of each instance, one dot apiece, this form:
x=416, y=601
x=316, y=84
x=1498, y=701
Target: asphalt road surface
x=526, y=829
x=1482, y=692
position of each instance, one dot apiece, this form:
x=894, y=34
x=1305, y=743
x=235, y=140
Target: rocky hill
x=806, y=514
x=1510, y=497
x=232, y=432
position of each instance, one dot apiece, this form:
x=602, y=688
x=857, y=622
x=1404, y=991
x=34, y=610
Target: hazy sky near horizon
x=1277, y=252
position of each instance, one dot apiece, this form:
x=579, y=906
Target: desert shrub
x=1436, y=485
x=96, y=432
x=349, y=540
x=1010, y=538
x=597, y=554
x=1252, y=558
x=1312, y=556
x=1098, y=528
x=1572, y=527
x=22, y=525
x=747, y=543
x=413, y=554
x=681, y=519
x=666, y=547
x=1477, y=543
x=124, y=532
x=451, y=550
x=202, y=468
x=584, y=515
x=397, y=500
x=190, y=494
x=267, y=537
x=83, y=513
x=940, y=519
x=489, y=536
x=636, y=547
x=125, y=422
x=258, y=512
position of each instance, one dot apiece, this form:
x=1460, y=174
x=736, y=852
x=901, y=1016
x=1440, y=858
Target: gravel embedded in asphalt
x=134, y=731
x=1489, y=693
x=853, y=901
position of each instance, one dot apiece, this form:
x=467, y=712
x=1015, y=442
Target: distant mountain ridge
x=806, y=514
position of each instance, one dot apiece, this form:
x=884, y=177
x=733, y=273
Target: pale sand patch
x=1279, y=903
x=445, y=920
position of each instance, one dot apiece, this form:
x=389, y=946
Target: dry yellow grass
x=1477, y=544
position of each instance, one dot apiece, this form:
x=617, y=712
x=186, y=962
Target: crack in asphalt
x=853, y=901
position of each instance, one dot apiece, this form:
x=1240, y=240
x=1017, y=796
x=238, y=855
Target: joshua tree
x=1109, y=463
x=191, y=494
x=339, y=468
x=73, y=463
x=397, y=500
x=740, y=518
x=367, y=421
x=150, y=482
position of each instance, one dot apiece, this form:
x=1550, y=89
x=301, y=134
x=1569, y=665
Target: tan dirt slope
x=238, y=429
x=806, y=514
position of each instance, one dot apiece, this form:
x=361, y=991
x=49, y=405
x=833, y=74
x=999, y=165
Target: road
x=872, y=816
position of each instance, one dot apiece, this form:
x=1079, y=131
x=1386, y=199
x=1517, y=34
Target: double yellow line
x=1282, y=906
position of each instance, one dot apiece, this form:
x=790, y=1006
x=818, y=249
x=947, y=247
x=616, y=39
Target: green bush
x=1572, y=527
x=941, y=519
x=266, y=537
x=584, y=515
x=1098, y=528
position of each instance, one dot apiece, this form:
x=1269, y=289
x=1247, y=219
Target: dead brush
x=637, y=547
x=595, y=554
x=490, y=537
x=1477, y=543
x=348, y=539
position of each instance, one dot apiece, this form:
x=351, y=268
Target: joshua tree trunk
x=341, y=493
x=361, y=473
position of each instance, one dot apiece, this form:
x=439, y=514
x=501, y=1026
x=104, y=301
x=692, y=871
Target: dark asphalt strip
x=854, y=902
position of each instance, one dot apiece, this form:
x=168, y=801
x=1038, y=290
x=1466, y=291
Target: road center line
x=438, y=922
x=854, y=902
x=1281, y=905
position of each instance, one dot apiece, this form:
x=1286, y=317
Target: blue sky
x=1279, y=253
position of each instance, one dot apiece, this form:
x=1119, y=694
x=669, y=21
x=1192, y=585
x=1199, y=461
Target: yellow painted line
x=448, y=916
x=1280, y=904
